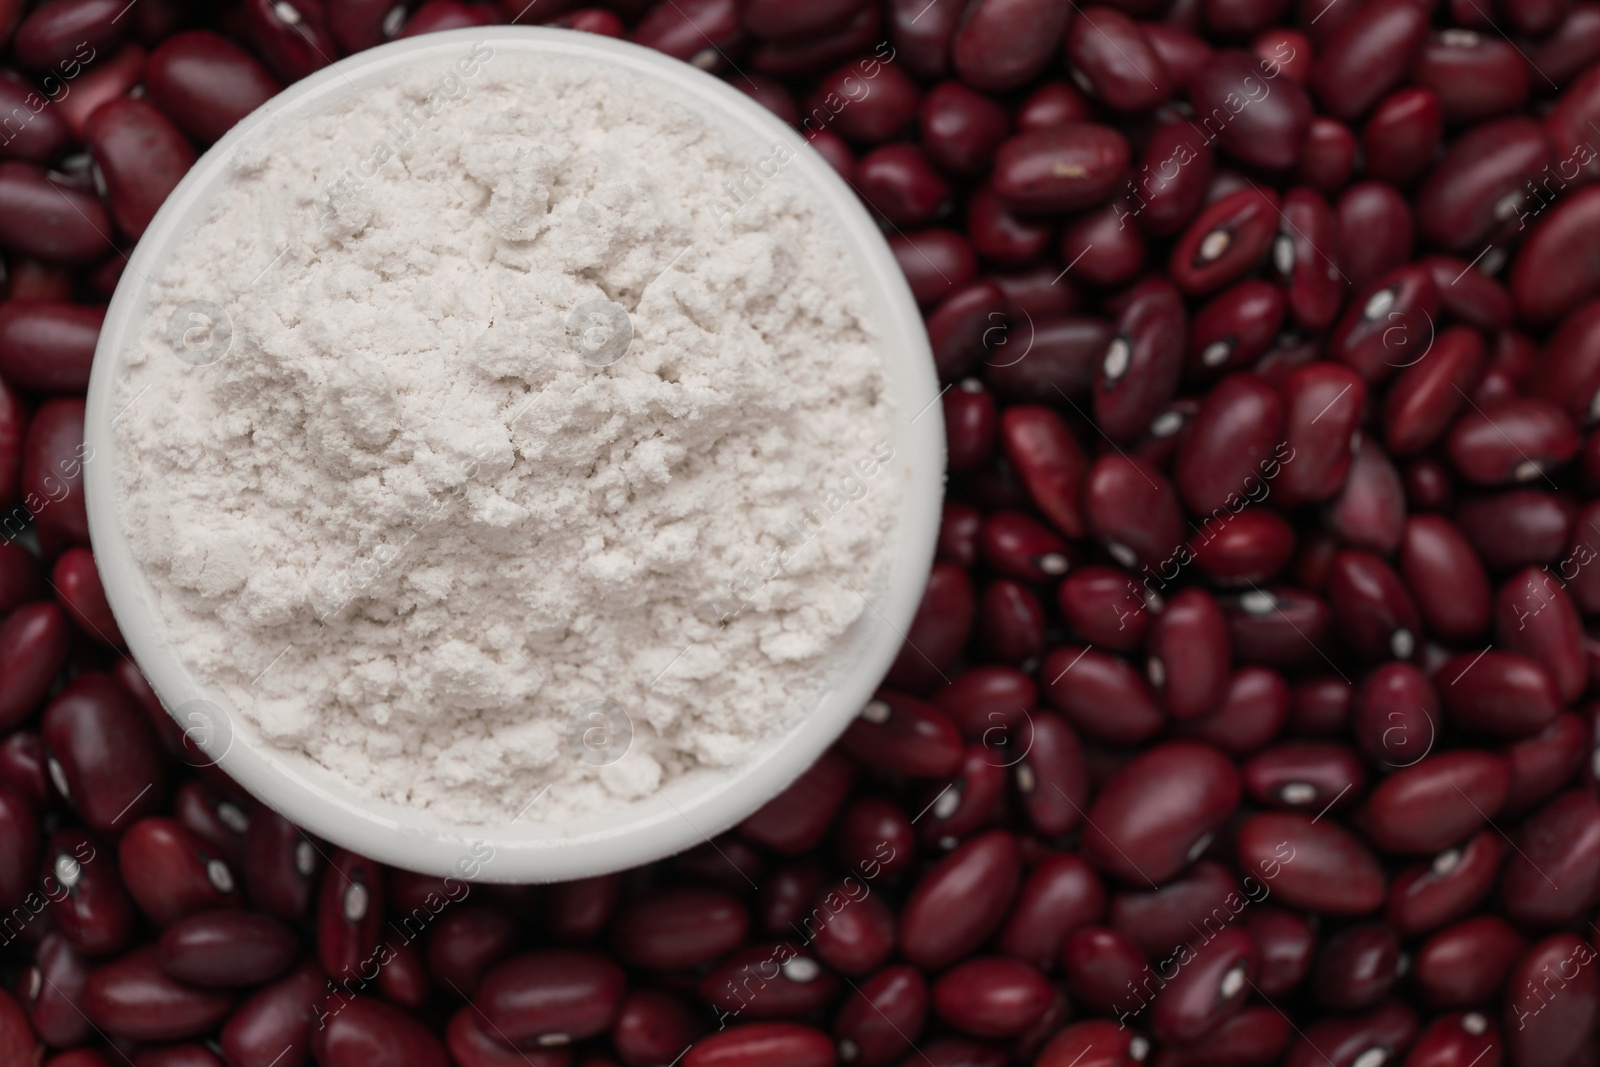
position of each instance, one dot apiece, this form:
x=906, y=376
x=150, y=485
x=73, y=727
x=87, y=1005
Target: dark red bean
x=1021, y=548
x=960, y=129
x=852, y=930
x=1329, y=157
x=959, y=527
x=1061, y=894
x=898, y=181
x=1182, y=53
x=53, y=458
x=1256, y=117
x=80, y=594
x=1050, y=463
x=652, y=1027
x=1367, y=55
x=1091, y=1043
x=788, y=59
x=768, y=981
x=1516, y=528
x=92, y=910
x=1455, y=882
x=1243, y=548
x=1357, y=968
x=679, y=927
x=778, y=21
x=906, y=735
x=1544, y=762
x=883, y=1017
x=984, y=700
x=56, y=222
x=1475, y=76
x=1322, y=410
x=64, y=34
x=1133, y=510
x=1438, y=802
x=1224, y=240
x=142, y=157
x=33, y=646
x=1116, y=62
x=551, y=997
x=1189, y=655
x=466, y=942
x=1457, y=1040
x=349, y=914
x=1060, y=168
x=1161, y=811
x=772, y=1044
x=1304, y=775
x=1176, y=164
x=1402, y=135
x=935, y=262
x=1445, y=577
x=1469, y=294
x=992, y=996
x=1535, y=616
x=1212, y=985
x=1066, y=352
x=1253, y=712
x=956, y=906
x=1003, y=235
x=866, y=101
x=1285, y=943
x=1516, y=440
x=23, y=771
x=274, y=1024
x=39, y=140
x=1466, y=965
x=968, y=802
x=19, y=849
x=1430, y=390
x=1498, y=693
x=133, y=998
x=1476, y=189
x=796, y=820
x=1554, y=875
x=1375, y=234
x=104, y=758
x=279, y=865
x=1051, y=774
x=938, y=631
x=1389, y=325
x=1106, y=606
x=227, y=948
x=1553, y=1002
x=1377, y=616
x=1312, y=864
x=206, y=83
x=1370, y=511
x=471, y=1043
x=1232, y=438
x=1101, y=695
x=52, y=992
x=368, y=1031
x=1103, y=248
x=403, y=977
x=1101, y=967
x=171, y=873
x=1141, y=367
x=1012, y=622
x=1003, y=44
x=1570, y=47
x=1341, y=1041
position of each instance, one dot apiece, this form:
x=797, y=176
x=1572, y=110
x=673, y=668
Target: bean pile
x=1243, y=721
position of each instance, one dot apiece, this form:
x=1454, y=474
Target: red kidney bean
x=777, y=21
x=1102, y=247
x=1161, y=811
x=133, y=998
x=141, y=156
x=188, y=1055
x=1241, y=18
x=1021, y=548
x=19, y=848
x=883, y=1017
x=982, y=699
x=471, y=1044
x=1314, y=865
x=1457, y=1040
x=206, y=83
x=935, y=262
x=1396, y=715
x=1141, y=366
x=1091, y=1043
x=466, y=942
x=1012, y=621
x=1133, y=510
x=1367, y=55
x=217, y=820
x=1052, y=776
x=403, y=977
x=1570, y=47
x=652, y=1027
x=1370, y=511
x=1438, y=802
x=865, y=101
x=1341, y=1041
x=787, y=59
x=797, y=819
x=960, y=129
x=280, y=864
x=78, y=590
x=1544, y=762
x=52, y=992
x=1516, y=440
x=1516, y=528
x=1106, y=606
x=1569, y=374
x=368, y=1031
x=1279, y=627
x=1050, y=463
x=1101, y=695
x=1469, y=294
x=1304, y=775
x=171, y=873
x=1428, y=485
x=898, y=181
x=679, y=927
x=33, y=647
x=102, y=755
x=1243, y=548
x=39, y=140
x=1500, y=693
x=905, y=735
x=768, y=92
x=938, y=631
x=552, y=996
x=1445, y=577
x=1285, y=944
x=349, y=914
x=437, y=15
x=956, y=906
x=774, y=1044
x=59, y=33
x=1375, y=235
x=227, y=948
x=1322, y=408
x=1212, y=985
x=958, y=534
x=1003, y=44
x=1158, y=921
x=1559, y=842
x=1430, y=390
x=1189, y=655
x=1553, y=1001
x=1059, y=168
x=1466, y=965
x=1535, y=616
x=274, y=1024
x=1224, y=240
x=1061, y=894
x=1000, y=234
x=1254, y=116
x=1378, y=618
x=1230, y=441
x=1176, y=165
x=1315, y=289
x=293, y=37
x=22, y=769
x=1402, y=135
x=1182, y=53
x=992, y=996
x=768, y=981
x=53, y=456
x=852, y=930
x=1357, y=968
x=970, y=421
x=1256, y=1034
x=1329, y=156
x=965, y=326
x=1101, y=967
x=1064, y=355
x=1476, y=189
x=967, y=802
x=1114, y=61
x=1390, y=325
x=21, y=578
x=51, y=220
x=92, y=910
x=1253, y=712
x=1476, y=77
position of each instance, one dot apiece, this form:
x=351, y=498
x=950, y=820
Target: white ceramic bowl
x=687, y=811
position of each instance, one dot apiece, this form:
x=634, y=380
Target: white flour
x=406, y=529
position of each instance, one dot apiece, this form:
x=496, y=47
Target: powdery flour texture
x=402, y=526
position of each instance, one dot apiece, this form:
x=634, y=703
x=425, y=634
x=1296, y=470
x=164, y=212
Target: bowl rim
x=309, y=795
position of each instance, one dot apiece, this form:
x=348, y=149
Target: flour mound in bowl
x=393, y=516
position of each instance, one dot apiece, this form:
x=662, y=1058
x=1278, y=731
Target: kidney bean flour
x=416, y=505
